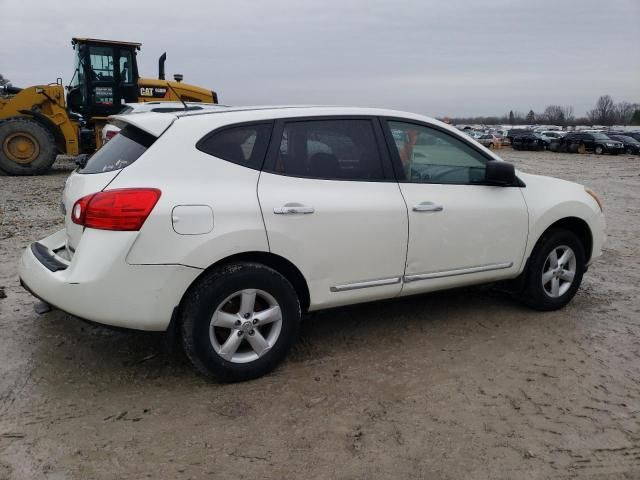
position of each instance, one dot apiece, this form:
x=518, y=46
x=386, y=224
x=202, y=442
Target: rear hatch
x=100, y=170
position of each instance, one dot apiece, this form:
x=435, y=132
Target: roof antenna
x=186, y=107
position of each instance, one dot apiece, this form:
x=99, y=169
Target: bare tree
x=567, y=110
x=604, y=113
x=557, y=115
x=4, y=81
x=624, y=112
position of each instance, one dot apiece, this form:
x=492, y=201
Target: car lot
x=462, y=384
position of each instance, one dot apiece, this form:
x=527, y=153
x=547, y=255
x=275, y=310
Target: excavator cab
x=105, y=77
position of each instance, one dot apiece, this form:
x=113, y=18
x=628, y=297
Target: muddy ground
x=462, y=384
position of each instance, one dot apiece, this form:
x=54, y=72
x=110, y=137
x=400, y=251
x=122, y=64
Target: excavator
x=39, y=122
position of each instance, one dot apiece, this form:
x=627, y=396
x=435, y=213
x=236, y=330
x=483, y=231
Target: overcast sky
x=436, y=57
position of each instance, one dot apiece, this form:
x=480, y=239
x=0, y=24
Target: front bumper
x=615, y=149
x=98, y=285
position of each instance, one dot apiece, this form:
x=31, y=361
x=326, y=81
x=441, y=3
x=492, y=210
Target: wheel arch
x=276, y=262
x=576, y=225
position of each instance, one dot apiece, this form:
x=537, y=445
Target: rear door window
x=120, y=152
x=241, y=144
x=336, y=149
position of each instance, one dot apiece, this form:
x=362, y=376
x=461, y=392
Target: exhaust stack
x=161, y=61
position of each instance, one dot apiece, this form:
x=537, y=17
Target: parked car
x=514, y=132
x=529, y=141
x=473, y=134
x=550, y=135
x=631, y=145
x=633, y=134
x=580, y=142
x=226, y=226
x=112, y=128
x=490, y=141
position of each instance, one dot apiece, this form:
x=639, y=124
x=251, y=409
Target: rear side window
x=120, y=152
x=329, y=149
x=242, y=144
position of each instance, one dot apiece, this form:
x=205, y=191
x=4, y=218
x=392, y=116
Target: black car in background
x=579, y=142
x=528, y=141
x=631, y=145
x=515, y=132
x=634, y=134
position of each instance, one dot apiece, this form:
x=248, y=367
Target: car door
x=461, y=231
x=588, y=141
x=332, y=207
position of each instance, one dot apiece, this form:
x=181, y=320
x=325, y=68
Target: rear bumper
x=99, y=285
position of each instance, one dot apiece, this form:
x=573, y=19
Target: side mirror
x=500, y=173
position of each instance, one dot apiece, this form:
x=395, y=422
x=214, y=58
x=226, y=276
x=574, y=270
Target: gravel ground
x=460, y=384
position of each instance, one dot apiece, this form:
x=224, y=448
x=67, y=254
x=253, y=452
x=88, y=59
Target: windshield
x=600, y=136
x=119, y=152
x=78, y=74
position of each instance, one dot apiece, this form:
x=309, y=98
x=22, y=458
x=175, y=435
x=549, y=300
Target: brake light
x=110, y=134
x=122, y=209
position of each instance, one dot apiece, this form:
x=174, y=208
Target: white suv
x=229, y=224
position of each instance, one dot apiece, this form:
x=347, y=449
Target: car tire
x=230, y=337
x=563, y=279
x=599, y=150
x=491, y=146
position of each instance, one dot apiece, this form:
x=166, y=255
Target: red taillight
x=110, y=134
x=123, y=209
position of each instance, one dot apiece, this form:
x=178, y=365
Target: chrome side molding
x=419, y=276
x=460, y=271
x=366, y=284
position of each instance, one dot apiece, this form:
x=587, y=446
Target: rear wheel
x=239, y=321
x=555, y=270
x=26, y=147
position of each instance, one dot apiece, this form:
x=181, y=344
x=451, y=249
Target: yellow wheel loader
x=39, y=122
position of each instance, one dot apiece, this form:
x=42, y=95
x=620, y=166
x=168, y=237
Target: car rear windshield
x=120, y=152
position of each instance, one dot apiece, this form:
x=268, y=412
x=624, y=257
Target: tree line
x=605, y=112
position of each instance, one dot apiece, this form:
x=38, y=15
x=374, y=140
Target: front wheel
x=555, y=270
x=598, y=150
x=26, y=147
x=239, y=321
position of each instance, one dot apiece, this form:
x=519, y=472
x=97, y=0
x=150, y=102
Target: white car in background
x=113, y=127
x=229, y=224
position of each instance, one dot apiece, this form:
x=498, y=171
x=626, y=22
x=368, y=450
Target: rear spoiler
x=153, y=123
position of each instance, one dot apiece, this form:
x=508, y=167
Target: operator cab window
x=329, y=149
x=101, y=63
x=126, y=67
x=427, y=155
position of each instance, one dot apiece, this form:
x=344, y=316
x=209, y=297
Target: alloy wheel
x=245, y=326
x=559, y=271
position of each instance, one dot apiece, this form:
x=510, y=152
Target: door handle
x=293, y=210
x=427, y=207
